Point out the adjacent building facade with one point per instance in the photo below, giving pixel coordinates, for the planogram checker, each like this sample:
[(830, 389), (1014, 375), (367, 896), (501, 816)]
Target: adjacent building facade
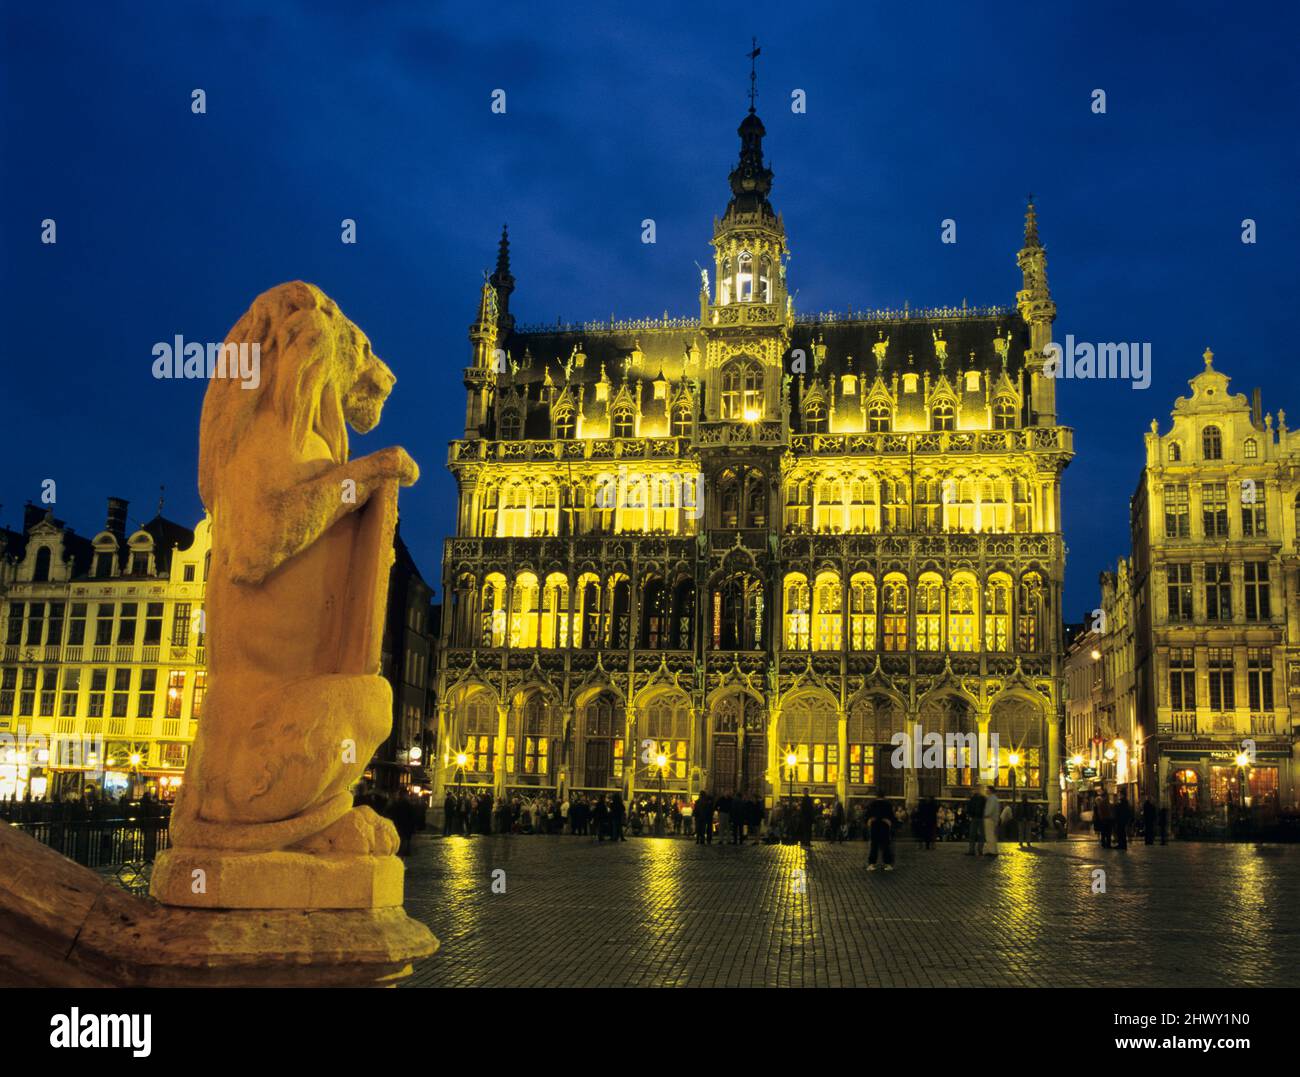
[(1216, 602), (104, 664), (103, 677), (731, 539)]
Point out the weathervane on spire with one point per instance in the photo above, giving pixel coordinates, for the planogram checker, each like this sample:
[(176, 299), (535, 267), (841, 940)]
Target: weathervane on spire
[(753, 74)]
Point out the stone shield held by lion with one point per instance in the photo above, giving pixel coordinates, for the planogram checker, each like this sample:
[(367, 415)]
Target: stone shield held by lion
[(296, 594)]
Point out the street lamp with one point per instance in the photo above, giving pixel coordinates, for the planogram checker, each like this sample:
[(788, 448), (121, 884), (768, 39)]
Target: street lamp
[(134, 759), (1243, 762), (661, 761), (1013, 761)]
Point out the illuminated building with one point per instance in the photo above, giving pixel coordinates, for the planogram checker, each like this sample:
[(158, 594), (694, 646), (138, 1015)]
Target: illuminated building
[(751, 532), (1103, 742), (103, 676), (104, 666), (1217, 618)]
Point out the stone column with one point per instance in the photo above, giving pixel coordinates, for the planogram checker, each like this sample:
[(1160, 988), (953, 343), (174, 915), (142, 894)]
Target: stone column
[(499, 756)]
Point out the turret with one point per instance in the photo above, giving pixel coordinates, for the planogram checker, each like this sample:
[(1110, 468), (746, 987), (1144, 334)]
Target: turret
[(1034, 301), (481, 374)]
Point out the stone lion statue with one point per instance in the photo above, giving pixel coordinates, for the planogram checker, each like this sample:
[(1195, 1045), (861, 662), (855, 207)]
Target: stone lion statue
[(296, 591)]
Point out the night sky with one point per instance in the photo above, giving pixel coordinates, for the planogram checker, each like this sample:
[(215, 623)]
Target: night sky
[(170, 222)]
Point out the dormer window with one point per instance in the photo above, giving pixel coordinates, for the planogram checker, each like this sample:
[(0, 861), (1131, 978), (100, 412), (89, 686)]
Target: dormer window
[(564, 423), (745, 277), (1250, 448), (1212, 443), (1175, 452), (942, 417), (814, 419), (1004, 414), (681, 421), (512, 424), (103, 566), (878, 418), (623, 424)]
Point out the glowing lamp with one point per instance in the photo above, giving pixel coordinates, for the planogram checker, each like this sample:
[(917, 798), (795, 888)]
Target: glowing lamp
[(461, 759)]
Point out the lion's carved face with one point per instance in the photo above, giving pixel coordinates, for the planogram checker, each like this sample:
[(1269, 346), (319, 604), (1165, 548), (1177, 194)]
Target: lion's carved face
[(364, 399)]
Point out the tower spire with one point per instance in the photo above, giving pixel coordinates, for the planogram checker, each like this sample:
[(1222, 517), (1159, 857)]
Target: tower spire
[(753, 73), (1031, 225), (504, 283)]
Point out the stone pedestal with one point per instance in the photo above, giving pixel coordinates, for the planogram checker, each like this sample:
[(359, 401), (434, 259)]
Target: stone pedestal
[(62, 925), (221, 879)]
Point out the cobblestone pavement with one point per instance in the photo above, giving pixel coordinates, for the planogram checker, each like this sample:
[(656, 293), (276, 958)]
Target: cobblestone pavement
[(665, 912)]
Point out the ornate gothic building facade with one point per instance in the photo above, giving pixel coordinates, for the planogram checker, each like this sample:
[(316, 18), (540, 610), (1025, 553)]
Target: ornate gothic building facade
[(728, 540)]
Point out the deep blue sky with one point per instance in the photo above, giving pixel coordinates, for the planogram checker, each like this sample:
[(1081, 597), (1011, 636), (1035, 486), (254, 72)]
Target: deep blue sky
[(170, 222)]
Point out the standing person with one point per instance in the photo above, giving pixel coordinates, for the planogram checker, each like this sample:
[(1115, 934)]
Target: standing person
[(616, 813), (739, 813), (837, 822), (1101, 817), (599, 816), (1123, 816), (1164, 825), (565, 809), (1025, 823), (448, 815), (975, 823), (702, 812), (881, 823), (723, 804), (805, 820), (992, 811), (929, 816), (1148, 822)]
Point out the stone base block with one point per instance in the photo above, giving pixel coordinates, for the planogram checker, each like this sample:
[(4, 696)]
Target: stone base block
[(223, 879)]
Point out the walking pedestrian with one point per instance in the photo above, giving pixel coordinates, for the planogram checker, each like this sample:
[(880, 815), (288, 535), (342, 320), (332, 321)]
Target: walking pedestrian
[(1123, 816), (929, 820), (1102, 820), (1148, 822), (881, 817), (975, 823), (600, 816), (805, 820), (1025, 822), (616, 813)]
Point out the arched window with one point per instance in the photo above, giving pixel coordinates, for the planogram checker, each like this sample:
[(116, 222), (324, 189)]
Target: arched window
[(828, 617), (1211, 443), (555, 617), (798, 623), (667, 725), (814, 419), (514, 511), (942, 417), (738, 614), (745, 277), (545, 511), (1029, 617), (512, 424), (1018, 726), (488, 504), (1175, 452), (862, 612), (1004, 414), (623, 424), (878, 418), (929, 612), (620, 611), (654, 613), (997, 613), (895, 612), (41, 570), (1250, 448), (810, 730), (742, 390), (564, 423), (492, 627), (530, 746), (479, 739), (963, 596), (764, 293), (729, 499), (523, 611), (588, 611), (602, 731)]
